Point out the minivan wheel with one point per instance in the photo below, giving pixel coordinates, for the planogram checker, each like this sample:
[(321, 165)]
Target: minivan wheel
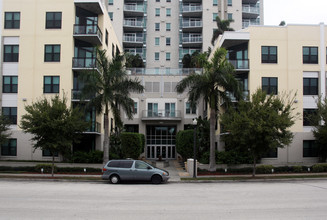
[(114, 179), (156, 179)]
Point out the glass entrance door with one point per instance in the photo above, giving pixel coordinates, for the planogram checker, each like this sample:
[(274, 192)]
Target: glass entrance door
[(161, 142)]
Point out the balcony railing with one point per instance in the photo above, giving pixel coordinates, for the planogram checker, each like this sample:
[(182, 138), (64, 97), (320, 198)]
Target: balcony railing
[(250, 9), (77, 96), (84, 62), (247, 23), (240, 64), (182, 71), (197, 39), (88, 29), (161, 114), (133, 39), (134, 8), (94, 128), (131, 23), (191, 8), (245, 96), (188, 24)]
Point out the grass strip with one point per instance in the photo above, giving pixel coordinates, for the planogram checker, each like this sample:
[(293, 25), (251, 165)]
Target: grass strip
[(255, 178)]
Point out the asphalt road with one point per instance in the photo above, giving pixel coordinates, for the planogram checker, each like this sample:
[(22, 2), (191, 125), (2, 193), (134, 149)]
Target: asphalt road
[(21, 199)]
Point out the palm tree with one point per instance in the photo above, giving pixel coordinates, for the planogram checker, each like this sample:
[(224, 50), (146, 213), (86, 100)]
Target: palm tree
[(112, 87), (213, 85), (223, 25)]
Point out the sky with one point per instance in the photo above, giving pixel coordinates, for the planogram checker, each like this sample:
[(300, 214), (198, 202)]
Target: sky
[(295, 11)]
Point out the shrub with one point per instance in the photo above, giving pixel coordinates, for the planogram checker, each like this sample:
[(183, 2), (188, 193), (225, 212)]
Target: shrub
[(264, 169), (232, 157), (46, 168), (88, 157), (297, 169), (78, 170), (131, 145), (319, 168)]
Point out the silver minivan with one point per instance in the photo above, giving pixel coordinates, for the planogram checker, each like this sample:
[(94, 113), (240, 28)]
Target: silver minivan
[(133, 170)]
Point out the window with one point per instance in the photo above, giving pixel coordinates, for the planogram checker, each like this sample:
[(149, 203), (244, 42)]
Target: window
[(310, 148), (309, 117), (214, 15), (190, 110), (11, 114), (12, 20), (51, 84), (107, 37), (168, 1), (215, 2), (272, 153), (152, 109), (167, 56), (157, 12), (9, 84), (157, 41), (141, 165), (310, 86), (168, 26), (9, 148), (111, 15), (168, 41), (156, 56), (110, 2), (268, 54), (168, 12), (157, 0), (52, 53), (135, 108), (47, 153), (131, 128), (230, 3), (11, 53), (230, 16), (157, 26), (53, 20), (310, 55), (270, 85)]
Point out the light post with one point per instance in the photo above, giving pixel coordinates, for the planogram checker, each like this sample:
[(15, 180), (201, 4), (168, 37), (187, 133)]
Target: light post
[(194, 148)]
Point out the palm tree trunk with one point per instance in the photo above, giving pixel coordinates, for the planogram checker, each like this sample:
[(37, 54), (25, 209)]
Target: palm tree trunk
[(212, 160), (106, 139)]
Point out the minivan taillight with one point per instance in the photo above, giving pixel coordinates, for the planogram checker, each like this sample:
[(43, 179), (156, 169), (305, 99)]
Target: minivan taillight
[(104, 169)]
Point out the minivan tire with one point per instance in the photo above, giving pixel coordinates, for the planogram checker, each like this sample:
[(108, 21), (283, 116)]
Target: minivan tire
[(156, 179), (114, 179)]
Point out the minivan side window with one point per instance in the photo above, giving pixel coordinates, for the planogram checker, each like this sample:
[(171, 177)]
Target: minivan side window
[(126, 164), (140, 165), (113, 164)]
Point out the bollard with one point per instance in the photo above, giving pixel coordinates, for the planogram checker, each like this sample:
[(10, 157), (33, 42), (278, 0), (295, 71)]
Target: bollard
[(272, 170), (42, 170)]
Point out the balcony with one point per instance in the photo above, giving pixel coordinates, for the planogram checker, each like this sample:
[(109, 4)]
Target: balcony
[(88, 33), (249, 11), (130, 25), (161, 115), (240, 64), (245, 96), (174, 72), (192, 41), (84, 63), (95, 6), (192, 10), (133, 10), (77, 96), (246, 23), (133, 40), (95, 128), (192, 25)]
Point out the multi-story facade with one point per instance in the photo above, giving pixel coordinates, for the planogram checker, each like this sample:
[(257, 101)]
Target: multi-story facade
[(163, 31), (280, 60), (45, 46)]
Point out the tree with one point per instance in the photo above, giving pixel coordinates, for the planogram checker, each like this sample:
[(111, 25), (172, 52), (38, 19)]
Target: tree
[(4, 129), (282, 23), (222, 26), (53, 125), (320, 131), (213, 85), (112, 87), (133, 61), (259, 125)]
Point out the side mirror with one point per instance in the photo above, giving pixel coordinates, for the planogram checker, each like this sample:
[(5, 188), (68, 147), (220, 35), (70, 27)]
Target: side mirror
[(149, 168)]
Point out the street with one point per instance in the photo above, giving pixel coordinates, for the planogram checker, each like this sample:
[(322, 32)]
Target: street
[(23, 199)]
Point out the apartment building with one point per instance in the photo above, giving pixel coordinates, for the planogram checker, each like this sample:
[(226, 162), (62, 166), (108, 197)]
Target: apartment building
[(163, 31), (280, 60), (45, 46)]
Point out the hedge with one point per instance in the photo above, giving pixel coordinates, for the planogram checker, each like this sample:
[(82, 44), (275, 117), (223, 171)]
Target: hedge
[(184, 143), (132, 144)]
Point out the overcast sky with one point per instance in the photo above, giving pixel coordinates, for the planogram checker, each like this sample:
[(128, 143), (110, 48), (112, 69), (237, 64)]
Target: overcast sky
[(295, 11)]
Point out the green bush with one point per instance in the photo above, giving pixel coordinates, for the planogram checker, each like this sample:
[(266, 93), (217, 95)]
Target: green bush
[(319, 168), (16, 169), (264, 169), (46, 168), (88, 157), (131, 145), (184, 143), (297, 169), (232, 157), (78, 170)]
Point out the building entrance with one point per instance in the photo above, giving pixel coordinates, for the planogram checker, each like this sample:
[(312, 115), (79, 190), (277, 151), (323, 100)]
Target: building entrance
[(160, 142)]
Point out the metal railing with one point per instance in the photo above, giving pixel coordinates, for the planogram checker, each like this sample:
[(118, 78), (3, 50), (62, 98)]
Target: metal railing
[(245, 95), (131, 23), (250, 9), (133, 39), (77, 95), (240, 64), (247, 23), (88, 29), (191, 8), (135, 8), (188, 24), (197, 39), (84, 62), (161, 114), (181, 71)]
